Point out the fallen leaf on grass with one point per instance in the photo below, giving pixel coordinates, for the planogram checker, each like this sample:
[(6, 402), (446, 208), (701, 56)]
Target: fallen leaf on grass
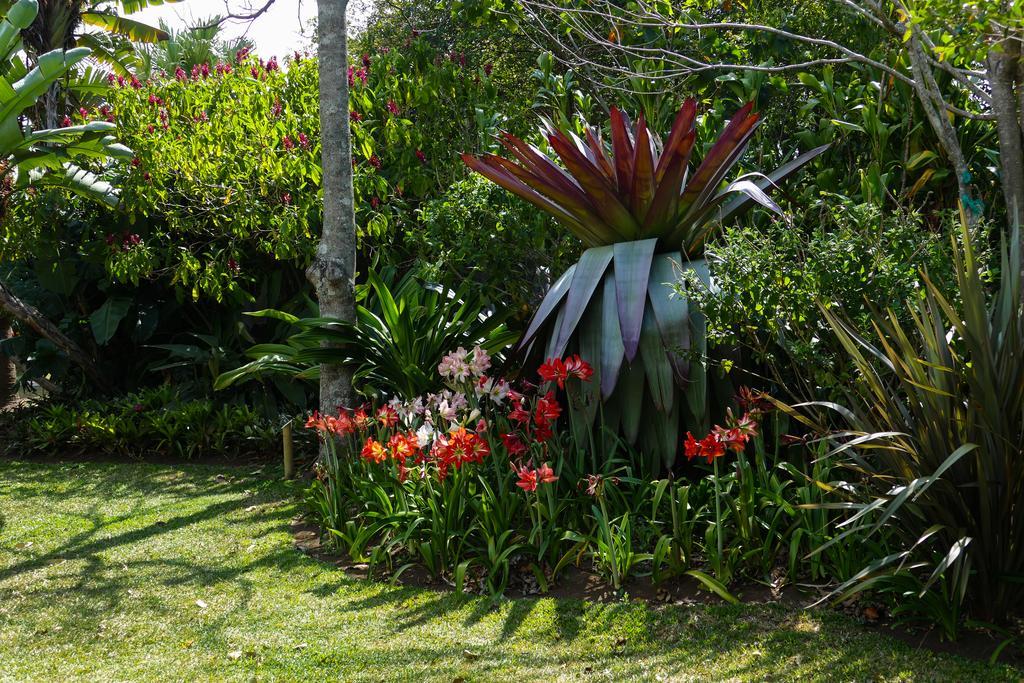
[(235, 654), (202, 604), (470, 655)]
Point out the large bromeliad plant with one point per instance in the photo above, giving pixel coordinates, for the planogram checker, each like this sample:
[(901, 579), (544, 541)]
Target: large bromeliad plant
[(644, 217)]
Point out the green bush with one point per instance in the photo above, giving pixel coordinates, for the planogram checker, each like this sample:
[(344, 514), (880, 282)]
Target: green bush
[(155, 423), (934, 426), (768, 281), (478, 231)]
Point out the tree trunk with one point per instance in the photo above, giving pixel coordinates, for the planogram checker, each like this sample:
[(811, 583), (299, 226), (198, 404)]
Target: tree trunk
[(1003, 66), (930, 96), (8, 372), (333, 270), (30, 316)]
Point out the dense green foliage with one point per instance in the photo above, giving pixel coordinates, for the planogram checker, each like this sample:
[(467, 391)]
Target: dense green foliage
[(769, 282), (938, 413), (402, 331), (157, 423)]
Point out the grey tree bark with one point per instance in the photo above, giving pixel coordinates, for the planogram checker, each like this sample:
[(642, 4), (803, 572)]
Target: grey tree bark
[(8, 372), (332, 272), (1004, 67)]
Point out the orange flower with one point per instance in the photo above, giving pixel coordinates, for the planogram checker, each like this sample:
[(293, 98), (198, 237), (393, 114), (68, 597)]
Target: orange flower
[(374, 451)]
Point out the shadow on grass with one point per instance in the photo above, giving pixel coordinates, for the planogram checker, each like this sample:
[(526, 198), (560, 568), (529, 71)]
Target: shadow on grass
[(81, 572)]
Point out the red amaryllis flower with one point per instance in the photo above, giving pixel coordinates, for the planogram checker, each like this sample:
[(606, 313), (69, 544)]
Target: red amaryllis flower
[(543, 433), (751, 401), (459, 447), (733, 438), (691, 446), (355, 116), (343, 424), (513, 444), (519, 414), (366, 60), (392, 108), (303, 141), (712, 447), (558, 370), (547, 410), (747, 425), (553, 370), (387, 416), (287, 143), (578, 368), (180, 74), (315, 420), (375, 161), (66, 121), (546, 475), (421, 156), (527, 479), (361, 418), (374, 451)]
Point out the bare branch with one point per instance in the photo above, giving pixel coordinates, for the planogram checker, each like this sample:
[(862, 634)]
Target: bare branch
[(248, 14), (581, 20)]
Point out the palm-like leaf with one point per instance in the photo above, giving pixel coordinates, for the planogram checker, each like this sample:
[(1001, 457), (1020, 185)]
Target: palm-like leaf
[(939, 415), (645, 219), (395, 345), (45, 157)]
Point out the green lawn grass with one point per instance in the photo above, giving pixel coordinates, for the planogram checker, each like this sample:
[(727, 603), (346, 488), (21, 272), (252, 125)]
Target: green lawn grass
[(138, 572)]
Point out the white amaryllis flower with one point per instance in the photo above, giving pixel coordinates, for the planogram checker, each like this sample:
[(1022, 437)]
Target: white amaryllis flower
[(494, 389), (425, 435)]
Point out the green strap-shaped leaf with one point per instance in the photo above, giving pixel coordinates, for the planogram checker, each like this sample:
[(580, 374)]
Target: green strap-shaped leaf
[(671, 313), (547, 306), (629, 396), (697, 389), (590, 271), (133, 6), (660, 438), (19, 17), (550, 350), (129, 28), (768, 181), (591, 350), (632, 272), (612, 350), (656, 365)]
